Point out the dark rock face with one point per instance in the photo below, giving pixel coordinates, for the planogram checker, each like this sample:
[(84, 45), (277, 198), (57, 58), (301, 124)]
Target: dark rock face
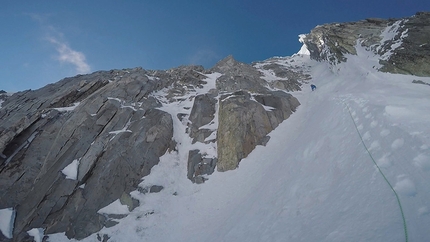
[(245, 117), (244, 123), (330, 42), (282, 104), (409, 47), (202, 113), (290, 79), (238, 76), (111, 124), (413, 55), (116, 133), (115, 125), (199, 166)]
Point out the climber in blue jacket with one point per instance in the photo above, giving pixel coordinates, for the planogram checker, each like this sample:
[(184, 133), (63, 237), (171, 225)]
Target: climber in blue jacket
[(313, 87)]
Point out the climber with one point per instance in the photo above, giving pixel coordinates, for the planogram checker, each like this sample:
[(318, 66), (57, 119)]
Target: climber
[(313, 87)]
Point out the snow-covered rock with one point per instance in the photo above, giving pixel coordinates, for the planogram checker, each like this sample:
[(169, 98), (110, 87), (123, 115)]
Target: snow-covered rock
[(111, 154), (402, 44)]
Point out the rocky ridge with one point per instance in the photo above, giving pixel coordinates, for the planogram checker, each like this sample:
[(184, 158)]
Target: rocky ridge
[(402, 44), (113, 126)]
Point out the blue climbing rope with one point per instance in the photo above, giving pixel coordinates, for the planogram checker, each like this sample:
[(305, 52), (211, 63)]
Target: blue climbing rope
[(385, 178)]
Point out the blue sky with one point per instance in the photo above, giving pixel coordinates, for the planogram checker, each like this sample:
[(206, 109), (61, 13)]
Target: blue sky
[(42, 42)]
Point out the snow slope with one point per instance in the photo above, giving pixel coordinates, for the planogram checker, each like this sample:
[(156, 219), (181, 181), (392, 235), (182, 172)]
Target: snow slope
[(315, 180)]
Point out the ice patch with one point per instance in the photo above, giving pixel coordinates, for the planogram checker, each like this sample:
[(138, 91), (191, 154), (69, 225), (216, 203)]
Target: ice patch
[(360, 127), (397, 143), (405, 186), (37, 234), (373, 124), (7, 219), (424, 147), (71, 171)]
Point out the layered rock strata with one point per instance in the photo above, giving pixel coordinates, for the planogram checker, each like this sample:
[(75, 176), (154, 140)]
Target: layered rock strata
[(112, 129), (402, 44)]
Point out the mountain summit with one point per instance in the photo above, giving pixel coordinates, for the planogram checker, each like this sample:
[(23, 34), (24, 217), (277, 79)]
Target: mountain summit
[(237, 152)]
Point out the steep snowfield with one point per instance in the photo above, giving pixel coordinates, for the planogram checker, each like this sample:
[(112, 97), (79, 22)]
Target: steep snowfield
[(314, 181)]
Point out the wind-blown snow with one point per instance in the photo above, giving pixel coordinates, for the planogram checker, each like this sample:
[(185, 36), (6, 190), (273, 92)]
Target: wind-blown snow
[(314, 180), (71, 170), (7, 219), (303, 50)]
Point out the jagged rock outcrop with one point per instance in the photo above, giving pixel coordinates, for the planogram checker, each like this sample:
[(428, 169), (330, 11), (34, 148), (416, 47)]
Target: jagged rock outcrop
[(198, 166), (283, 74), (245, 120), (332, 41), (202, 113), (3, 96), (115, 132), (248, 110), (413, 55), (402, 43), (113, 128), (238, 76)]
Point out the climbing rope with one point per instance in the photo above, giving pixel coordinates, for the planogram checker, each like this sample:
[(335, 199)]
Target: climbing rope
[(379, 169)]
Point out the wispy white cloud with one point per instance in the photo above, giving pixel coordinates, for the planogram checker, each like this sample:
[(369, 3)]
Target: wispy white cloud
[(65, 53), (68, 55)]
